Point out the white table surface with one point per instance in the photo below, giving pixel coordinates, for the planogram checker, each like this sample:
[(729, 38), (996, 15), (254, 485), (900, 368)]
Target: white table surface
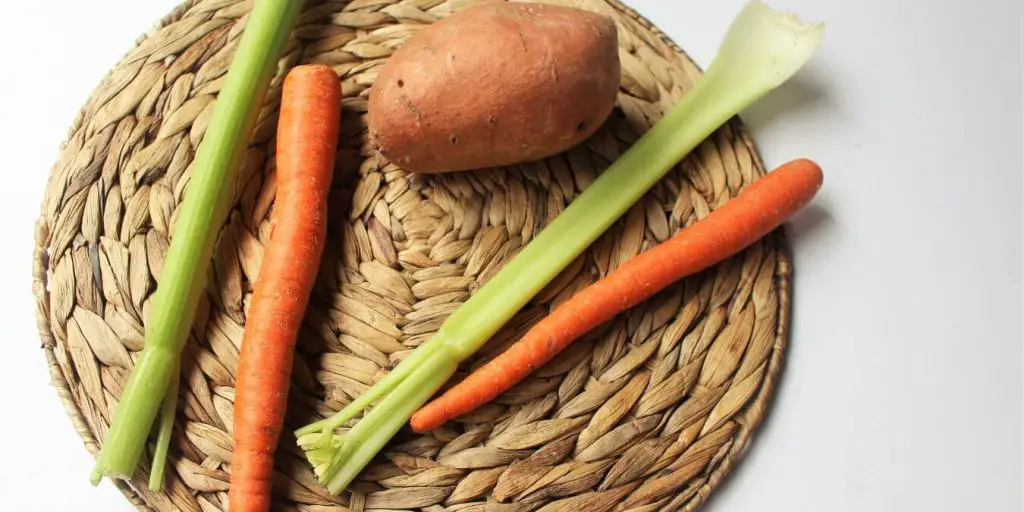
[(902, 389)]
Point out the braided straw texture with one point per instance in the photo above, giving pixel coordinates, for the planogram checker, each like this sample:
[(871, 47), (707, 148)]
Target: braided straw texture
[(647, 413)]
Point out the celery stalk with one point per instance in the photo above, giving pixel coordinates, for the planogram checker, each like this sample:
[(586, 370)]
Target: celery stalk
[(382, 422), (762, 49), (203, 211), (379, 389), (163, 434)]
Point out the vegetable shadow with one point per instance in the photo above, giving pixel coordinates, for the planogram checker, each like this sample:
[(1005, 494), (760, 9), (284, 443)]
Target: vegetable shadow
[(815, 218), (804, 92), (808, 224)]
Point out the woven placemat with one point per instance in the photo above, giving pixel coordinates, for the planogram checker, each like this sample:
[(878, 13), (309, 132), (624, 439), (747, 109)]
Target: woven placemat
[(647, 413)]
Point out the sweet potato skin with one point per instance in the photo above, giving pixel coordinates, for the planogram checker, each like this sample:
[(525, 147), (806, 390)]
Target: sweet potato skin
[(495, 84)]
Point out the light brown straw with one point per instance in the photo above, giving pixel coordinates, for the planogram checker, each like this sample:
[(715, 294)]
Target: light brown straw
[(648, 413)]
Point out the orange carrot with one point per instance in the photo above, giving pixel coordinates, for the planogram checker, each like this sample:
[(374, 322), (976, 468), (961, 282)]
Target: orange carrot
[(307, 134), (740, 222)]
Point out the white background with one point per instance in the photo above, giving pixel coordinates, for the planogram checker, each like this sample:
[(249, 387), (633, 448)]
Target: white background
[(903, 384)]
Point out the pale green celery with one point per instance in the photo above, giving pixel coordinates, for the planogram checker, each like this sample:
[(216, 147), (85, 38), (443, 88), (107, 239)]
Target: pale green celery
[(762, 49), (318, 453), (368, 436), (379, 389), (163, 435), (203, 211)]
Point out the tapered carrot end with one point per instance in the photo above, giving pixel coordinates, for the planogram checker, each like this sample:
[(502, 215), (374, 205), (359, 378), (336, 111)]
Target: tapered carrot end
[(789, 187), (810, 173), (425, 420), (303, 71)]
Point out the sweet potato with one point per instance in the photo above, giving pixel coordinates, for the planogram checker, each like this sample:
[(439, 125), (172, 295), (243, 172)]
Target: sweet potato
[(495, 84)]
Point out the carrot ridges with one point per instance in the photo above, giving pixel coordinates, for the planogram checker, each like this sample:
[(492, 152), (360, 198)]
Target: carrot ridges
[(307, 135), (756, 211)]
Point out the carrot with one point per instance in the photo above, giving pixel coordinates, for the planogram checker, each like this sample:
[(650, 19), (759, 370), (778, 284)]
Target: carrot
[(306, 140), (756, 211)]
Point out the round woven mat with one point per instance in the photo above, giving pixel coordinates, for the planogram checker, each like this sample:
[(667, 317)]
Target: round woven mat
[(647, 413)]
